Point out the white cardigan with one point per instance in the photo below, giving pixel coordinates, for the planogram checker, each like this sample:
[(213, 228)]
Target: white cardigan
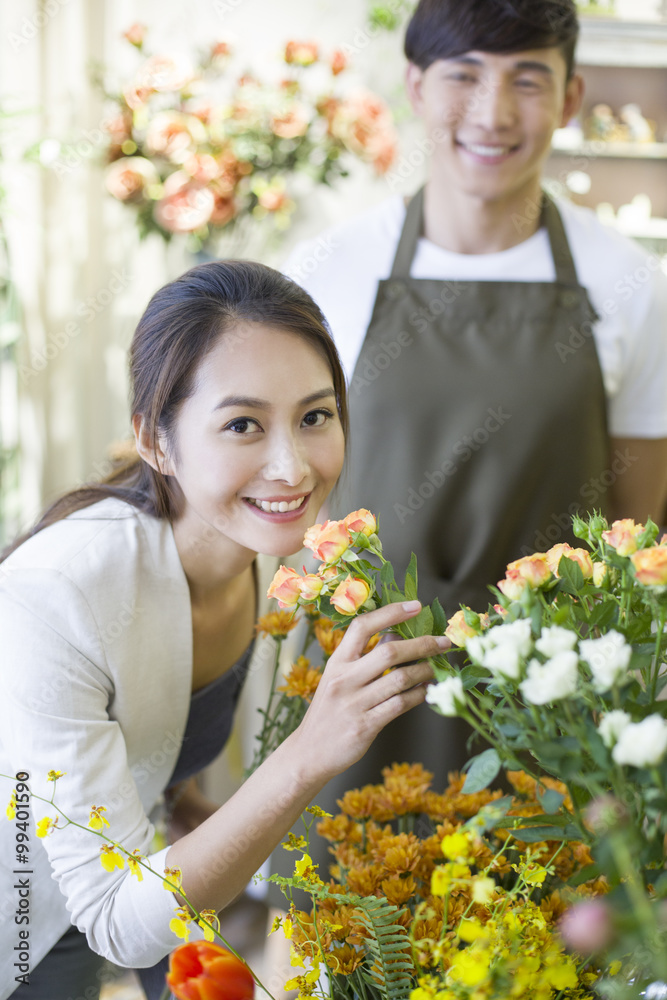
[(96, 675)]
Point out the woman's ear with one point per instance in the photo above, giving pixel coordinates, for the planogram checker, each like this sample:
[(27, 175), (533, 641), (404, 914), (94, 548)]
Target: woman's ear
[(156, 457)]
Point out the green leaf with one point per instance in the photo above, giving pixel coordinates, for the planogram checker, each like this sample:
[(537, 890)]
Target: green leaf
[(534, 834), (481, 771), (410, 586), (551, 800), (585, 875), (439, 618), (423, 623), (387, 578), (570, 571)]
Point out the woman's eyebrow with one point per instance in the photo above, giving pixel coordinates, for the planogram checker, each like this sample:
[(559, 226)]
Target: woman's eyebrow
[(262, 404)]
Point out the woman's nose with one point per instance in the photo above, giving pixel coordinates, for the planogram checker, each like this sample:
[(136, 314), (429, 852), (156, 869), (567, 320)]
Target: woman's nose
[(287, 463)]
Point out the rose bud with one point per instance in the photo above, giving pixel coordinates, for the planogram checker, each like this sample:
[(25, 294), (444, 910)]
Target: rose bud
[(328, 541), (310, 587), (285, 587), (361, 520)]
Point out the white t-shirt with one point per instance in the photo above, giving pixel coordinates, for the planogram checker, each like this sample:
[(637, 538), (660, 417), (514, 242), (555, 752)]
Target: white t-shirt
[(342, 267)]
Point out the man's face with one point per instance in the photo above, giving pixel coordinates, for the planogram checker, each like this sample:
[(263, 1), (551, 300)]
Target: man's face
[(492, 117)]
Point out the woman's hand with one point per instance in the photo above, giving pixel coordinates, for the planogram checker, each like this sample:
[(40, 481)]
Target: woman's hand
[(360, 693)]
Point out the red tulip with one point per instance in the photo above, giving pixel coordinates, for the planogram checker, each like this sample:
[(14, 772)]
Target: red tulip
[(200, 970)]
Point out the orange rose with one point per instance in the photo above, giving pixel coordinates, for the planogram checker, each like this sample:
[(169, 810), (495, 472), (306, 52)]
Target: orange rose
[(301, 53), (349, 595), (291, 123), (651, 566), (534, 569), (285, 587), (361, 520), (338, 62), (128, 178), (186, 205), (458, 629), (310, 587), (174, 135), (622, 536), (136, 34), (580, 556), (513, 585), (328, 541)]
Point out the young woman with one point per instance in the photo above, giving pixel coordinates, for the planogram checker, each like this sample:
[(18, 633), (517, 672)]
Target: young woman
[(132, 598)]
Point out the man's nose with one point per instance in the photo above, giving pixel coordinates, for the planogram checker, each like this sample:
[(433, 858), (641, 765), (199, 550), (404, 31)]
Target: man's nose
[(492, 105)]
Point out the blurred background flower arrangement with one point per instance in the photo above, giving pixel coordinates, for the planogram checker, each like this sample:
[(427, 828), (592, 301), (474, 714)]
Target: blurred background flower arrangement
[(205, 149)]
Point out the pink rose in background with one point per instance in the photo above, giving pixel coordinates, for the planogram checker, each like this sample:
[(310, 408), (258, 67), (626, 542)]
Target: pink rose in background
[(328, 541), (291, 123), (364, 124), (513, 585), (202, 167), (350, 594), (301, 53), (164, 73), (338, 62), (586, 927), (285, 587), (224, 207), (129, 177), (174, 135), (136, 34), (623, 535), (186, 205)]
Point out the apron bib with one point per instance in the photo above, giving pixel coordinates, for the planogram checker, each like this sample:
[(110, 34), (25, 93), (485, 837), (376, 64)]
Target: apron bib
[(472, 438)]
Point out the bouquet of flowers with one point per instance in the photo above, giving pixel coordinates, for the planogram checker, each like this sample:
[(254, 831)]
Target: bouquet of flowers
[(563, 677), (200, 149), (438, 895)]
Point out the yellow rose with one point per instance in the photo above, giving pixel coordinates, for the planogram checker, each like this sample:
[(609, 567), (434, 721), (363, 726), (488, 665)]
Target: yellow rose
[(361, 520), (651, 566), (349, 595), (622, 536), (328, 541), (285, 587)]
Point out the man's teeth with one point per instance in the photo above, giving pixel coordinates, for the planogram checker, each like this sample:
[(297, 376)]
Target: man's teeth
[(488, 150), (277, 506)]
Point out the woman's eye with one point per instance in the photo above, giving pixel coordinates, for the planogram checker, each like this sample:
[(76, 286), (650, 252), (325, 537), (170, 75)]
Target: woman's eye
[(316, 418), (242, 425)]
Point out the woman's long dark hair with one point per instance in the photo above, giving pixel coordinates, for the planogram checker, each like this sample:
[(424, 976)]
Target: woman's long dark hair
[(181, 324)]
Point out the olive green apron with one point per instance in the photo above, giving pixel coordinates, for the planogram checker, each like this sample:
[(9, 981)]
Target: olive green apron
[(473, 436)]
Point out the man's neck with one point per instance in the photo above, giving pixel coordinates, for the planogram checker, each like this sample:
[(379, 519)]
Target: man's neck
[(471, 225)]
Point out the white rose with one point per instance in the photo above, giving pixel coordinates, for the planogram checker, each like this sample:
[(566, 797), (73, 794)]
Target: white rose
[(511, 636), (446, 695), (546, 682), (642, 744), (612, 725), (476, 647), (608, 657), (555, 640), (503, 660)]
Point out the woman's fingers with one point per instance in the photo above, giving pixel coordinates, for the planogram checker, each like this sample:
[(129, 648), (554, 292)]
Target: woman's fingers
[(390, 655), (363, 627)]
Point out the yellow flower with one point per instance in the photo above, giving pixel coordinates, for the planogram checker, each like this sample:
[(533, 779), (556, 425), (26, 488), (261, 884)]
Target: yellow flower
[(277, 923), (456, 846), (209, 917), (562, 976), (97, 821), (276, 624), (483, 890), (470, 930), (294, 843), (10, 811), (288, 928), (615, 967), (179, 923), (304, 868), (174, 876), (470, 966), (133, 864), (320, 813), (46, 826), (54, 775), (443, 877), (534, 874), (305, 984), (110, 857)]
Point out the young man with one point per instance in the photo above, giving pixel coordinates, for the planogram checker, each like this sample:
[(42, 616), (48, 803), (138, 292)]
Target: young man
[(507, 357)]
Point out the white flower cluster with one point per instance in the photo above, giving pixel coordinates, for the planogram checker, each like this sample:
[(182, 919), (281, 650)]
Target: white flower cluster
[(640, 744)]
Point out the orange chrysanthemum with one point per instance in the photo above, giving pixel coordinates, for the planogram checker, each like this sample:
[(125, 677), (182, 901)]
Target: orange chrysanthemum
[(276, 624), (301, 681)]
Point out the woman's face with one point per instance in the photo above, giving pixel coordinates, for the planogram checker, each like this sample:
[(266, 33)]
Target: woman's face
[(259, 444)]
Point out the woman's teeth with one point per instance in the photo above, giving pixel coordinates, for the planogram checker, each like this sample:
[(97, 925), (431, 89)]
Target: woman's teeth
[(276, 506)]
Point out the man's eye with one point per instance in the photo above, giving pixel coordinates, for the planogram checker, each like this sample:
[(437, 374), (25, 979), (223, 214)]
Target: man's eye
[(242, 425), (527, 84), (462, 77), (316, 418)]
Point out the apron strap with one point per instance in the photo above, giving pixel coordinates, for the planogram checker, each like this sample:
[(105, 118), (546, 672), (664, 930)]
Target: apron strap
[(413, 228), (550, 218)]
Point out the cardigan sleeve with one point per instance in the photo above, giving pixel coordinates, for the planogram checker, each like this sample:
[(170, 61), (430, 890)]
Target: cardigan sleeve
[(54, 714)]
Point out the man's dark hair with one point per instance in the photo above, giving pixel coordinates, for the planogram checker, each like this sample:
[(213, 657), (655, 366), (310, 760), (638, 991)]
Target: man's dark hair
[(444, 29)]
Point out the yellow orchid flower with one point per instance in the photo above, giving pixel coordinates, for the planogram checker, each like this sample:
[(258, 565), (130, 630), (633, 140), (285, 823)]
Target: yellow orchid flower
[(209, 917), (54, 775), (110, 857), (320, 813), (179, 923), (97, 821), (10, 811), (133, 864), (294, 843), (46, 826), (174, 876)]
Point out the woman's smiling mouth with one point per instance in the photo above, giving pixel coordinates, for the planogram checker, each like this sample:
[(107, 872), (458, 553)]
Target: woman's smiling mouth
[(279, 506)]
